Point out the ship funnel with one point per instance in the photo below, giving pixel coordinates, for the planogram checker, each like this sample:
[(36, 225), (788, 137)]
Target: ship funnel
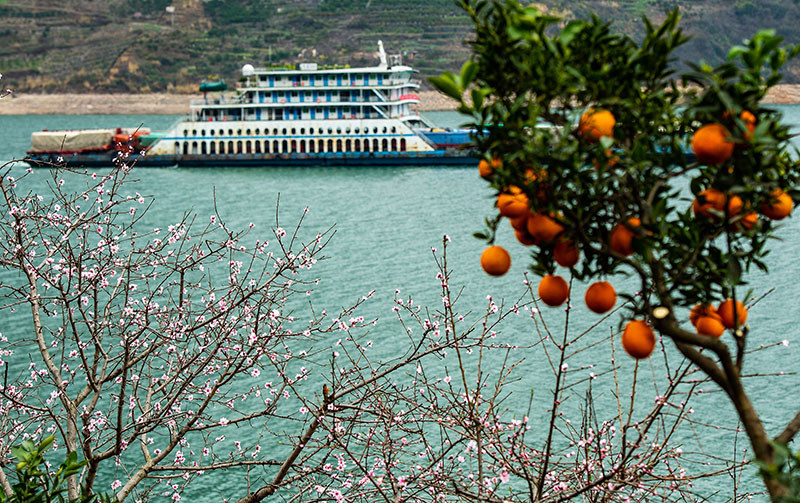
[(382, 54)]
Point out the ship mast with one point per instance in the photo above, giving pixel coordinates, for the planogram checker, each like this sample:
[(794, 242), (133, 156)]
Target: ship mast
[(382, 54)]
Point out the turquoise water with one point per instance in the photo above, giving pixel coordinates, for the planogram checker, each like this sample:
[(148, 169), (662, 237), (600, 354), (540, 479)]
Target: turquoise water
[(388, 219)]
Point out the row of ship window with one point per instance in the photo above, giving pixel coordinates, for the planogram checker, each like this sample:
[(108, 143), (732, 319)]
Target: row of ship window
[(285, 131), (329, 95), (339, 79), (289, 146)]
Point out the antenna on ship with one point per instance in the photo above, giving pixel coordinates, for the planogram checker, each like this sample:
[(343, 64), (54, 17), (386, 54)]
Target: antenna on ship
[(382, 54)]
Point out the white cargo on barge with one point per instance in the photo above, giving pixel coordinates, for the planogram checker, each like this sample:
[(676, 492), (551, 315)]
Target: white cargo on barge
[(79, 140)]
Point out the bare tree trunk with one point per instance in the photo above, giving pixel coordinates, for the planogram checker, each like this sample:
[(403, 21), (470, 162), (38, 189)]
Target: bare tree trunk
[(6, 485), (55, 374)]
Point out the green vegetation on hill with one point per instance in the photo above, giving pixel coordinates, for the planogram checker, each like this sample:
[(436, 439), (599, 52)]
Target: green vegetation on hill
[(137, 46)]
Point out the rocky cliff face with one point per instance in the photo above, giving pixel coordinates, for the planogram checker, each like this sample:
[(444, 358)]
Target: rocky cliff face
[(141, 46)]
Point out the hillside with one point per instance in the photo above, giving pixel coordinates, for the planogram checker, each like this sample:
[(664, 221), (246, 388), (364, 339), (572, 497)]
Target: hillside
[(137, 46)]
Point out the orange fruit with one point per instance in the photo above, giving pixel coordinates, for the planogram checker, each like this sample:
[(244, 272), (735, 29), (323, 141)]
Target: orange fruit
[(748, 220), (520, 223), (565, 253), (537, 176), (553, 290), (486, 168), (543, 228), (701, 310), (595, 124), (495, 260), (514, 203), (638, 339), (734, 205), (749, 122), (779, 207), (611, 160), (710, 144), (710, 325), (525, 238), (713, 199), (600, 297), (621, 240), (533, 175), (725, 310)]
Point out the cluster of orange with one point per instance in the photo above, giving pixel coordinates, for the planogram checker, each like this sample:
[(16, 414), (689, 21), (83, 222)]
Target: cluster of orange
[(712, 321), (542, 229), (711, 145)]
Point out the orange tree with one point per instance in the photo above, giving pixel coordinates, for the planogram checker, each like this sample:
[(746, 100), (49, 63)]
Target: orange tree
[(607, 178)]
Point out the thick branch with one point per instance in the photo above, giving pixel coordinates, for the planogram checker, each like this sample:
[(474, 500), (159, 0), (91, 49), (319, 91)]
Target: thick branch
[(6, 485), (270, 489), (791, 430), (731, 383)]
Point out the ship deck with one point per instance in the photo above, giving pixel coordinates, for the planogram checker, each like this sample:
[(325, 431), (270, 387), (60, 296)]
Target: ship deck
[(450, 157)]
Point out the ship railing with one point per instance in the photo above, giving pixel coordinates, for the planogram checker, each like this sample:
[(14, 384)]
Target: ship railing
[(375, 97), (216, 101), (330, 86), (415, 82)]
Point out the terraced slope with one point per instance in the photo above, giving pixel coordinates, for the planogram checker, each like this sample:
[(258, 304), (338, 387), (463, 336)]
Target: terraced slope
[(137, 46)]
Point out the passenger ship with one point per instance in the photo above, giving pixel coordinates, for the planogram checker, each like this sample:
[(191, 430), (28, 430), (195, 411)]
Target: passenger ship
[(304, 115)]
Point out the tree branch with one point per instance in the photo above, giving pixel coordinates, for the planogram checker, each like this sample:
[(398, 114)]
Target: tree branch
[(791, 430)]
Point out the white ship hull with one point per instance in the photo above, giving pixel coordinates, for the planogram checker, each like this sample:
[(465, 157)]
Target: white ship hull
[(294, 137)]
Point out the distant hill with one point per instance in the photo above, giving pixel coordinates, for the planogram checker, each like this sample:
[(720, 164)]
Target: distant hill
[(138, 46)]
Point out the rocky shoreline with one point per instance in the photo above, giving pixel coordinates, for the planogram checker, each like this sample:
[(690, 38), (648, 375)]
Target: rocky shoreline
[(178, 104)]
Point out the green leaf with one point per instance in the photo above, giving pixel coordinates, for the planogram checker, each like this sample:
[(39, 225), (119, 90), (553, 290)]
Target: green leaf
[(477, 98), (571, 30), (468, 72), (446, 84), (697, 185), (19, 453), (736, 51), (734, 269), (46, 443), (72, 457)]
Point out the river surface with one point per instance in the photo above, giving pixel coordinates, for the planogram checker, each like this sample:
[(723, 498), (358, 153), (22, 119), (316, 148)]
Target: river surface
[(388, 219)]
